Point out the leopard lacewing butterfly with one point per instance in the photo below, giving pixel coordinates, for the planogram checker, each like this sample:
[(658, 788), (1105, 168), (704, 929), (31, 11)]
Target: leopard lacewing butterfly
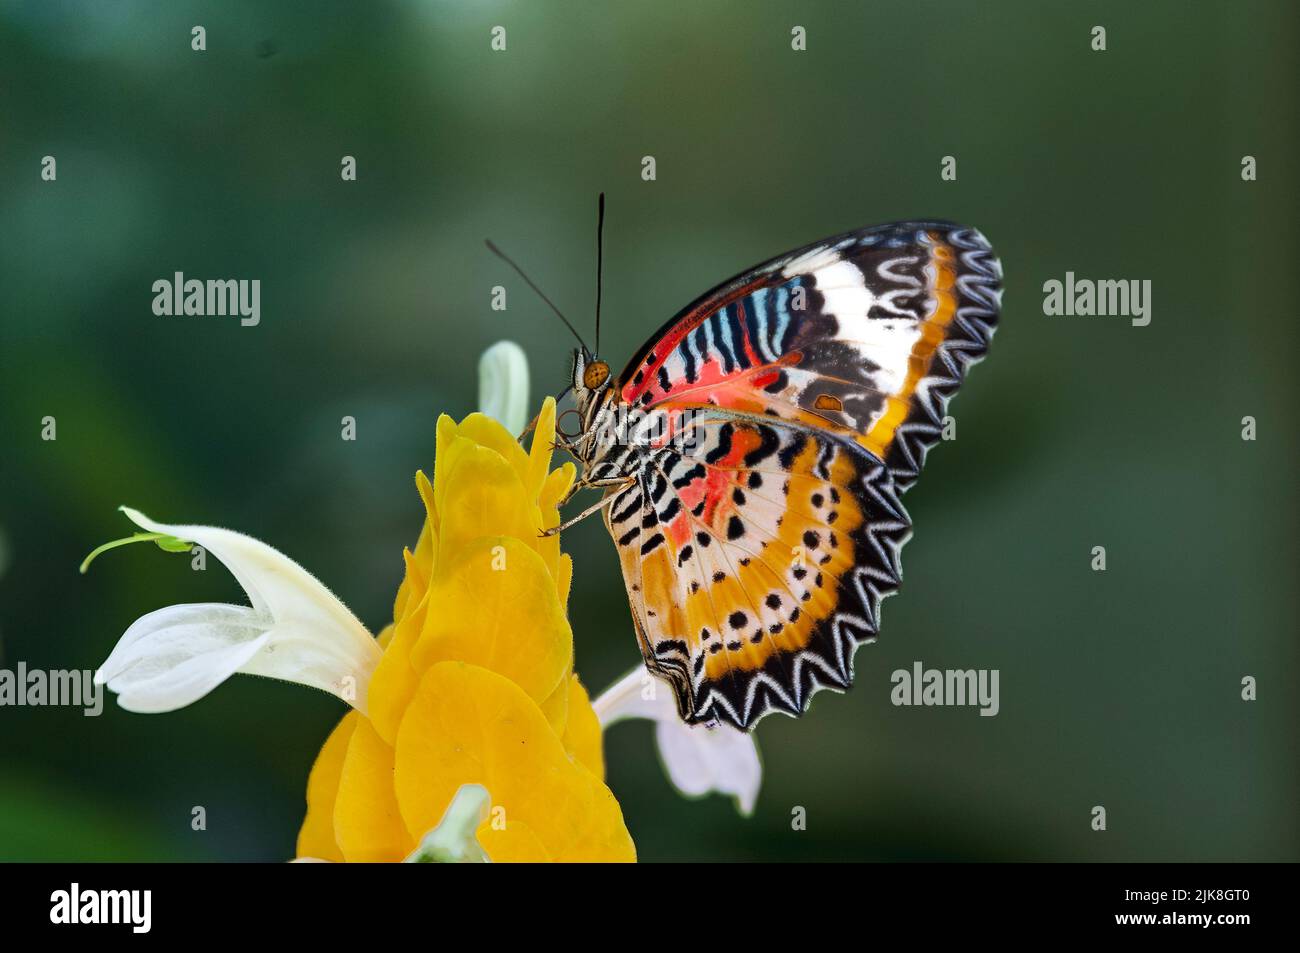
[(752, 455)]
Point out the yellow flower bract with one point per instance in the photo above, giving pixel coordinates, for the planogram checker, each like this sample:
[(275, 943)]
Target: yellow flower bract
[(476, 683)]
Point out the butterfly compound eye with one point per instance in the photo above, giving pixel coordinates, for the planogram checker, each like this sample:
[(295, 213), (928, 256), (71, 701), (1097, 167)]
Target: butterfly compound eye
[(595, 374)]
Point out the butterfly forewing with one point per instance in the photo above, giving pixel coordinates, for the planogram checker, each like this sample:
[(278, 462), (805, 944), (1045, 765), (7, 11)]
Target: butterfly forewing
[(868, 334)]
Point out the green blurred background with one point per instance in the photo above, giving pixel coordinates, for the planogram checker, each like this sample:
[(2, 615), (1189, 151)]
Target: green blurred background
[(1119, 688)]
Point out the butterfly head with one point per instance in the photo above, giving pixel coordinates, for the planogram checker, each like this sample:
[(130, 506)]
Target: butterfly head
[(591, 376), (592, 390)]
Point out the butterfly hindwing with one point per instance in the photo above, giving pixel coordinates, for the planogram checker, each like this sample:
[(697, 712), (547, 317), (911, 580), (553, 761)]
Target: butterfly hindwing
[(756, 554), (867, 334)]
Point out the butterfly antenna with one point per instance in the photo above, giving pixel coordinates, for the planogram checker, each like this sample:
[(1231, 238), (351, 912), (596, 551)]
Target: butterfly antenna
[(528, 281), (600, 262)]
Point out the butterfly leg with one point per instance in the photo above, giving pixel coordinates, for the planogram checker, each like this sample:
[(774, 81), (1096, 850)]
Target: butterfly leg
[(582, 483), (595, 507), (529, 429)]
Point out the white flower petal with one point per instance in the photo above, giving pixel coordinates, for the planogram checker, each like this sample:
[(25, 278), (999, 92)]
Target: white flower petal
[(697, 759), (297, 653), (306, 634), (638, 694), (173, 657), (503, 385), (275, 583)]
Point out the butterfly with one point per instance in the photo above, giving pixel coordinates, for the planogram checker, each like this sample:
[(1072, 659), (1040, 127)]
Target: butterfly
[(752, 454)]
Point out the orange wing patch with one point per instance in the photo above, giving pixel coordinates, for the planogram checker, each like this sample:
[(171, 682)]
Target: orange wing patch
[(942, 275)]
